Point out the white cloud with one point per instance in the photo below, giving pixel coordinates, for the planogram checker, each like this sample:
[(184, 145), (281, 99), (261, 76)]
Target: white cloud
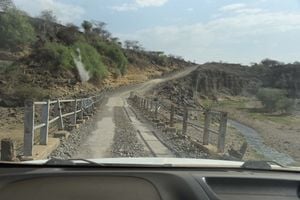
[(240, 9), (64, 12), (125, 7), (242, 37), (233, 7), (136, 4), (146, 3)]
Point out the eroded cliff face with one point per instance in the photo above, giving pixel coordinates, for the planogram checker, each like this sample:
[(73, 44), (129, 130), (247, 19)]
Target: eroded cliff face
[(208, 81), (211, 79)]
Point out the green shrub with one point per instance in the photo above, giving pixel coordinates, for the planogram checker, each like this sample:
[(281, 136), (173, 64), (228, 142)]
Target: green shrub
[(114, 53), (274, 99), (91, 60), (15, 30), (55, 56)]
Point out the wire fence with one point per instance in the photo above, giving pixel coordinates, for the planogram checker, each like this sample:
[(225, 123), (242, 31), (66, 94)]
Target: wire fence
[(205, 125), (44, 116)]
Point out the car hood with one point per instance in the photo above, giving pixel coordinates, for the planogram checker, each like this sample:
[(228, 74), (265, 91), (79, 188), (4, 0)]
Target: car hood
[(174, 162)]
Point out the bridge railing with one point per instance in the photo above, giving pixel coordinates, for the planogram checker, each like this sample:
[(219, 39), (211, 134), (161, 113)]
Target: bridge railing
[(211, 123), (40, 115)]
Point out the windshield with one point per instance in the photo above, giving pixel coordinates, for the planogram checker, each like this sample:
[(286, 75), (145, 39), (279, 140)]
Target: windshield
[(150, 78)]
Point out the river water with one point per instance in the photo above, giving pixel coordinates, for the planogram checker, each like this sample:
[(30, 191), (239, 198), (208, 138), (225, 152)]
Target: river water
[(256, 142)]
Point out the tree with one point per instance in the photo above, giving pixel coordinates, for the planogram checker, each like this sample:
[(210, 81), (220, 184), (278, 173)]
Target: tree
[(48, 16), (87, 26), (133, 45), (99, 29), (270, 63), (68, 34), (274, 99), (48, 23), (15, 30), (6, 5)]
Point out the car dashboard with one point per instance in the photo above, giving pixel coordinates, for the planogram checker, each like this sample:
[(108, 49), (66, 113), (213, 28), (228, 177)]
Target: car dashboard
[(112, 183)]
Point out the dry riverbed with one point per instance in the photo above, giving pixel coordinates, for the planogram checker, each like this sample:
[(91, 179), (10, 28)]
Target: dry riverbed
[(281, 132)]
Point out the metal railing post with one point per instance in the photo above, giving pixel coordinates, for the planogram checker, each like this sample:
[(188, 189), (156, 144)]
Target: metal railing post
[(207, 119), (28, 127), (156, 110), (80, 116), (59, 114), (172, 115), (222, 132), (75, 113), (8, 152), (45, 119), (185, 120)]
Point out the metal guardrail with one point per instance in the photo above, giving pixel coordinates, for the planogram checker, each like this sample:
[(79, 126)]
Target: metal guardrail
[(154, 105), (79, 107)]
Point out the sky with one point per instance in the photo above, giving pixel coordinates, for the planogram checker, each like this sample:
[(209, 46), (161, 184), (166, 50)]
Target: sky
[(199, 30)]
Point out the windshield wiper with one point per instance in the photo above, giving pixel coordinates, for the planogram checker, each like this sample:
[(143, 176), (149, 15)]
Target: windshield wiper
[(260, 164)]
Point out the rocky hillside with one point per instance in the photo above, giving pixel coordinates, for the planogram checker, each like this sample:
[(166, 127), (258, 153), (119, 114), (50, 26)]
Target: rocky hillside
[(51, 60)]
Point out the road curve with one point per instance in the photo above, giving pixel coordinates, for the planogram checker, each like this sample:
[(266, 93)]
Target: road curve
[(99, 142)]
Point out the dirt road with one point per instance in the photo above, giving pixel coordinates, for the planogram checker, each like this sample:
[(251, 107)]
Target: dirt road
[(100, 142)]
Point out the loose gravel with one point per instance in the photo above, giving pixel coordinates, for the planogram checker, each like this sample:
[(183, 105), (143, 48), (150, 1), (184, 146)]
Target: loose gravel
[(181, 146), (69, 147), (126, 142)]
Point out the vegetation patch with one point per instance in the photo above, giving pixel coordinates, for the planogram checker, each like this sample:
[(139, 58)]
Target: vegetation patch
[(114, 53), (15, 30), (55, 56), (91, 60), (274, 100)]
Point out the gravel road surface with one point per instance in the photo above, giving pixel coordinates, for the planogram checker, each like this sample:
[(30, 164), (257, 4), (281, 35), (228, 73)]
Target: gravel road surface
[(104, 141)]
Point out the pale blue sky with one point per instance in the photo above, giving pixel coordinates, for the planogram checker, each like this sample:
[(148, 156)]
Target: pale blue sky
[(202, 30)]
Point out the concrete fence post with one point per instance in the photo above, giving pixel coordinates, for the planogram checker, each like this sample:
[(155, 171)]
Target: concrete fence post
[(207, 120), (151, 105), (140, 102), (222, 132), (7, 150), (172, 112), (147, 105), (80, 115), (88, 107), (143, 103), (93, 106), (185, 120), (28, 127), (156, 110), (137, 101), (45, 120), (75, 113), (59, 114), (131, 95)]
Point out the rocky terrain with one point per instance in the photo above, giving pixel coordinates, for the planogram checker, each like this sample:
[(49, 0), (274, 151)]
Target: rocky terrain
[(232, 88), (126, 142)]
